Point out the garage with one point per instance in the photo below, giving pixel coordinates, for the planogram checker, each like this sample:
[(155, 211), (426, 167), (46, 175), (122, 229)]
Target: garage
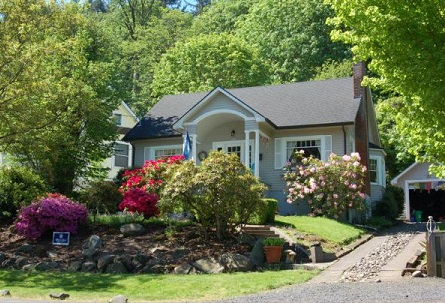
[(424, 193)]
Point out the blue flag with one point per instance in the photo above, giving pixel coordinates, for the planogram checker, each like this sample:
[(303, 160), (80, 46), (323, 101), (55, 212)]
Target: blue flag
[(187, 147)]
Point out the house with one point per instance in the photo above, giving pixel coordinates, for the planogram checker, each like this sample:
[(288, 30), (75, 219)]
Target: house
[(424, 192), (122, 151), (264, 125)]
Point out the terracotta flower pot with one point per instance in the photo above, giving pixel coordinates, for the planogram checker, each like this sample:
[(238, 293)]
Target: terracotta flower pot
[(273, 253)]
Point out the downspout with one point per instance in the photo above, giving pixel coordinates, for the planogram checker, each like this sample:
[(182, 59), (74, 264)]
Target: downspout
[(133, 153), (344, 139)]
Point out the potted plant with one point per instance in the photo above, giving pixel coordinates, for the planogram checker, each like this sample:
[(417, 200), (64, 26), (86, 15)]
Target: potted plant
[(273, 247)]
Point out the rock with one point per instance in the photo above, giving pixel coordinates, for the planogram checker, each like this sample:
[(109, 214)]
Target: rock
[(9, 263), (209, 266), (183, 269), (60, 296), (119, 299), (3, 257), (116, 268), (91, 246), (89, 266), (246, 239), (417, 274), (20, 262), (256, 256), (104, 261), (5, 293), (75, 266), (235, 262), (51, 254), (132, 230), (45, 266), (126, 261), (29, 267), (142, 259), (25, 248)]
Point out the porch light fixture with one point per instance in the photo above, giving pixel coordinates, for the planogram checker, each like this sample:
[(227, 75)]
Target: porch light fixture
[(232, 133)]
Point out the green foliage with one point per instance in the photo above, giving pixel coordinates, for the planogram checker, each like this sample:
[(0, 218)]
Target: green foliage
[(19, 186), (101, 197), (292, 37), (403, 42), (273, 241), (392, 203), (379, 222), (222, 193), (205, 62), (116, 220), (333, 69)]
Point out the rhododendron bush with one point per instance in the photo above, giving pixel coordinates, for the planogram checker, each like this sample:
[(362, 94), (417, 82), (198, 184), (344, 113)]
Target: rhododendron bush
[(143, 187), (330, 188), (54, 212)]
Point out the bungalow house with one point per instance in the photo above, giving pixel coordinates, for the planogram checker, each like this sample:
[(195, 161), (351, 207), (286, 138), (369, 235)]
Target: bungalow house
[(122, 151), (264, 125), (424, 193)]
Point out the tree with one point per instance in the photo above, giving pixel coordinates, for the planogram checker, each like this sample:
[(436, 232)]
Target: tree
[(403, 41), (207, 61), (334, 69), (56, 91), (293, 36), (221, 16)]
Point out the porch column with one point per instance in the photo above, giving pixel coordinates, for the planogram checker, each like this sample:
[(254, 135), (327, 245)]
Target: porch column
[(257, 153), (246, 148), (194, 140)]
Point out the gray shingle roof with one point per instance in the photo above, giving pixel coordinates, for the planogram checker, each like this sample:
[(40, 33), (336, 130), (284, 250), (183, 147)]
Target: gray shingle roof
[(302, 104)]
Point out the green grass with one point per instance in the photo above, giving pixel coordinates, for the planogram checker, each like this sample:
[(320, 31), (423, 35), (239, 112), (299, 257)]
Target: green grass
[(148, 287), (324, 228)]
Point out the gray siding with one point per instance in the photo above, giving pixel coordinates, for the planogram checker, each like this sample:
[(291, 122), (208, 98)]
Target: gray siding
[(140, 146)]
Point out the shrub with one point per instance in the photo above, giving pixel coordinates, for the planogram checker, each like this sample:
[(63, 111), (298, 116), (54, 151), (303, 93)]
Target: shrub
[(330, 188), (273, 241), (137, 200), (101, 197), (265, 213), (52, 213), (221, 193), (390, 207), (19, 186)]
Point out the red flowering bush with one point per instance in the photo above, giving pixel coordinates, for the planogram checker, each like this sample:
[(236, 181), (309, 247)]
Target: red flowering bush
[(137, 200), (54, 212), (142, 187)]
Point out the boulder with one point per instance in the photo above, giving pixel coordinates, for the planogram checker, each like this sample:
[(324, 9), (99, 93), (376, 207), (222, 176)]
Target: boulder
[(60, 296), (209, 266), (132, 229), (75, 266), (256, 256), (25, 248), (20, 262), (116, 268), (119, 299), (3, 257), (142, 259), (91, 246), (5, 293), (235, 262), (126, 261), (183, 269), (45, 266), (89, 266), (104, 261)]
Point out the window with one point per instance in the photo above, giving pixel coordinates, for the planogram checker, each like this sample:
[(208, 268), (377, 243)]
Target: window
[(310, 147), (167, 152), (118, 119), (121, 154), (373, 170)]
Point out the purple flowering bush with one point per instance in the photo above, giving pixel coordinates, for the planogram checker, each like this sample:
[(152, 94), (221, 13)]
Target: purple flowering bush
[(330, 188), (54, 212)]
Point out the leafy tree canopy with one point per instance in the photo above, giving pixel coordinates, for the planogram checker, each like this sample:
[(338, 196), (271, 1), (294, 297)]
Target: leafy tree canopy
[(404, 43), (292, 36), (207, 61)]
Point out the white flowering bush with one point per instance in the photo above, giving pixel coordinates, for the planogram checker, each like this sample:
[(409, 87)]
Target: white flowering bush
[(330, 188)]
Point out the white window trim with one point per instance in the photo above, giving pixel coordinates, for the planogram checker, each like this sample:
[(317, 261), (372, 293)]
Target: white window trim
[(113, 158), (380, 171), (281, 144), (225, 144), (152, 150)]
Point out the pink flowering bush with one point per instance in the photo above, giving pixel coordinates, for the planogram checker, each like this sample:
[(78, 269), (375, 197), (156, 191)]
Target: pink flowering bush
[(143, 187), (54, 212), (139, 201), (330, 188)]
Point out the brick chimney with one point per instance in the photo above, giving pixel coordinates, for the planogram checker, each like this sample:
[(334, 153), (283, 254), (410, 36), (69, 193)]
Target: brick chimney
[(359, 72)]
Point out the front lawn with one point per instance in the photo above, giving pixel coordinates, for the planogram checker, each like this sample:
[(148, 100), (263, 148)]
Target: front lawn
[(146, 287)]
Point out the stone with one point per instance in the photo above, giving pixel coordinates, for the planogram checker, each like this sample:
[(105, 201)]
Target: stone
[(91, 246), (3, 257), (246, 239), (51, 254), (20, 262), (183, 269), (104, 261), (417, 274), (235, 263), (5, 293), (132, 230), (89, 266), (126, 261), (208, 265), (45, 266), (75, 266), (142, 259), (25, 248), (119, 299), (116, 268), (29, 267), (256, 256), (60, 296)]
